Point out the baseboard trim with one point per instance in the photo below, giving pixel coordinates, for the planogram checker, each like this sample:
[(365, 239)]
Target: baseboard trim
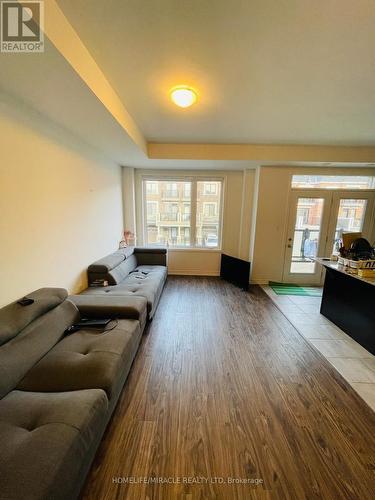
[(199, 272), (259, 281), (192, 272)]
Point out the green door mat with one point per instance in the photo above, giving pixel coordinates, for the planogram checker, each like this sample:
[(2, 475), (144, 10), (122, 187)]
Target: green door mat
[(290, 289)]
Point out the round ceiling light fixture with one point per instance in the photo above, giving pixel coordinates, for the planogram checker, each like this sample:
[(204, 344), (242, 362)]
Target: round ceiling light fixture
[(183, 96)]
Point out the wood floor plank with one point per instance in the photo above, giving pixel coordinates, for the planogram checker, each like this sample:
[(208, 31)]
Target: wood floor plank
[(223, 386)]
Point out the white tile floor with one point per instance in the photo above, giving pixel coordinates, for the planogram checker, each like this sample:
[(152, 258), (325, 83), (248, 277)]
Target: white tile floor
[(350, 359)]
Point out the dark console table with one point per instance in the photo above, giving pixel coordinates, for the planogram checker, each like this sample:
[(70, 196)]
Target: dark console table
[(349, 302)]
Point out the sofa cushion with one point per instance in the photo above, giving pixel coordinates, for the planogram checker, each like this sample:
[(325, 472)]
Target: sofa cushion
[(149, 281), (125, 289), (160, 271), (116, 307), (45, 439), (21, 353), (15, 317), (144, 281), (86, 359)]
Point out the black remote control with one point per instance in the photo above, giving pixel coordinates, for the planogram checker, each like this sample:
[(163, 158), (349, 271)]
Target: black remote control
[(93, 323)]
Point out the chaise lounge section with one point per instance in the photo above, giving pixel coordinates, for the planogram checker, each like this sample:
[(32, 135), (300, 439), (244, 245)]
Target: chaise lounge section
[(58, 391), (131, 272)]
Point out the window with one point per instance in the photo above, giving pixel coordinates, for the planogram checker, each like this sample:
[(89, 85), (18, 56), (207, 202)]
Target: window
[(208, 214), (171, 190), (333, 182), (209, 188), (183, 213), (209, 209), (152, 210), (170, 212), (152, 188), (186, 212), (303, 215), (187, 190)]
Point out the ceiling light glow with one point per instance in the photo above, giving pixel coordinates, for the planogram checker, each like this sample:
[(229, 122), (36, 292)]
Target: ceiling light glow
[(183, 96)]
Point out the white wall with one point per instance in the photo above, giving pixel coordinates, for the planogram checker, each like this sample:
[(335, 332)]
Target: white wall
[(60, 204), (272, 209), (238, 201), (128, 197), (256, 205)]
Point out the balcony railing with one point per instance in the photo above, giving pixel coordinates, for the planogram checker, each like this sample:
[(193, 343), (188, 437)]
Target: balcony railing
[(152, 218), (173, 217), (170, 193), (302, 252), (169, 217), (206, 218)]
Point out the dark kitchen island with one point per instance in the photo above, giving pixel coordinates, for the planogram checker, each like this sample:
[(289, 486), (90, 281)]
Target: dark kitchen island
[(349, 302)]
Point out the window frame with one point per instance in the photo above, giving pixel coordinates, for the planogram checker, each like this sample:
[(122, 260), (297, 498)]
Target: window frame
[(208, 203), (154, 202), (193, 179), (208, 193), (156, 192), (333, 188)]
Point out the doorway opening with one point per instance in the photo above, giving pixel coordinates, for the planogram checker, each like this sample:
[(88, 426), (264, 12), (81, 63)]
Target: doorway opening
[(318, 217)]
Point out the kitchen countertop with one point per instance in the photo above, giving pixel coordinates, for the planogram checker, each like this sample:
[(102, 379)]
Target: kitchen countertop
[(330, 264)]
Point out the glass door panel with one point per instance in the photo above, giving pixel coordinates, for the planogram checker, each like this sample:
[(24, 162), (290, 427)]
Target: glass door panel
[(350, 218), (208, 214), (317, 219), (306, 235), (352, 211)]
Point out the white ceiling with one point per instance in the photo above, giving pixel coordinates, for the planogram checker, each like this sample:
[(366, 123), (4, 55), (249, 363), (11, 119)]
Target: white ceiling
[(46, 83), (149, 46), (268, 71)]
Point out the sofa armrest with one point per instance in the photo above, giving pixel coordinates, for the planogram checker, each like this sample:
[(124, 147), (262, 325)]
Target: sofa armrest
[(119, 307), (149, 256)]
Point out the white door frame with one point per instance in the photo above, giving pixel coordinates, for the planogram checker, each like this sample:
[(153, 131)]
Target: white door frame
[(306, 278), (327, 228)]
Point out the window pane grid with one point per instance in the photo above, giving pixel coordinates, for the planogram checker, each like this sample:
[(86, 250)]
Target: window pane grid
[(182, 213), (333, 181), (306, 237)]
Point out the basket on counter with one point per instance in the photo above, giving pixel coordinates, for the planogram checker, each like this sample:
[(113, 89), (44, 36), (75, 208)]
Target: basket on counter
[(357, 264), (362, 264)]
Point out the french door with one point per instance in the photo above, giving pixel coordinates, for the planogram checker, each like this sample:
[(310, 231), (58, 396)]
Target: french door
[(316, 221)]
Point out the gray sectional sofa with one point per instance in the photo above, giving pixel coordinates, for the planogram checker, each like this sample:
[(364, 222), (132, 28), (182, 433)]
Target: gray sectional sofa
[(58, 390), (131, 272)]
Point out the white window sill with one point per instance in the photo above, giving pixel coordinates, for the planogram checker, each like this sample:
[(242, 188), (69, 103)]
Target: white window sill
[(193, 249)]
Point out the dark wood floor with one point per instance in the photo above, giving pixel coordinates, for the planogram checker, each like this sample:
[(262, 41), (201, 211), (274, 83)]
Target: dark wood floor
[(224, 387)]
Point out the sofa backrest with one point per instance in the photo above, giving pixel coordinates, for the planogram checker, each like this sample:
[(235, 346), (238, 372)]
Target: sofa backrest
[(116, 266), (120, 272), (105, 268), (148, 256), (28, 332), (14, 317)]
